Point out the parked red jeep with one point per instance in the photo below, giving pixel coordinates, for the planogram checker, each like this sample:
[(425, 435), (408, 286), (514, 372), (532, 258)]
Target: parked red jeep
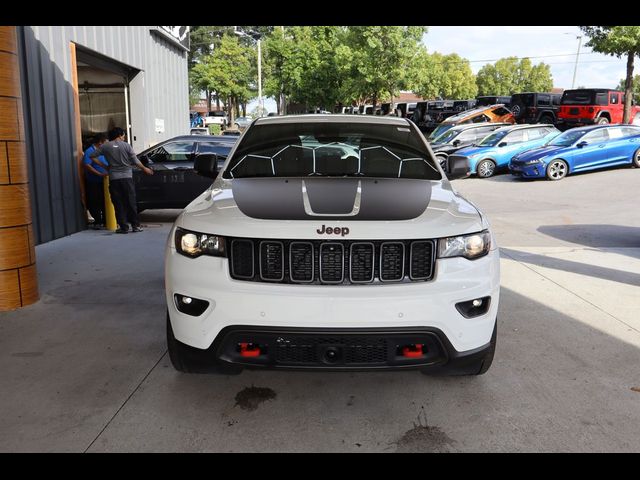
[(590, 106)]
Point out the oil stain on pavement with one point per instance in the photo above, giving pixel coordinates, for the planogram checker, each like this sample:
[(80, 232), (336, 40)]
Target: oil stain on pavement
[(250, 397), (424, 438)]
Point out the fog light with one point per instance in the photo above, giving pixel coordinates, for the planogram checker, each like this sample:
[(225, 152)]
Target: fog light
[(189, 305), (474, 308)]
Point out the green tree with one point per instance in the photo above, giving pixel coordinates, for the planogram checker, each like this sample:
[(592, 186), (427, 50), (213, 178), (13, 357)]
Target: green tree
[(227, 71), (381, 56), (442, 76), (636, 87), (510, 75), (458, 81), (617, 41)]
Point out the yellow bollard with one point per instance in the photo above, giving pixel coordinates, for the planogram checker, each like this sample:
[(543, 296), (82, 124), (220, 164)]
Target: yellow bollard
[(109, 211)]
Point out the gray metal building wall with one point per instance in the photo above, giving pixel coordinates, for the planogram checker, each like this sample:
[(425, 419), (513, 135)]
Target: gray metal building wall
[(161, 91)]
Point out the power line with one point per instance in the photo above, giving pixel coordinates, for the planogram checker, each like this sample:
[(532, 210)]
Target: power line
[(532, 56)]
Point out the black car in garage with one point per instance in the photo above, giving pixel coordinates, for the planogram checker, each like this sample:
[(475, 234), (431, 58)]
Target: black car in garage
[(174, 183)]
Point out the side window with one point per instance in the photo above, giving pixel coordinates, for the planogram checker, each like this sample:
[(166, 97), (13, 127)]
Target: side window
[(480, 119), (556, 99), (518, 136), (483, 132), (544, 100), (467, 136), (172, 152), (614, 98), (500, 111), (536, 133), (629, 132), (615, 132), (217, 148), (598, 136)]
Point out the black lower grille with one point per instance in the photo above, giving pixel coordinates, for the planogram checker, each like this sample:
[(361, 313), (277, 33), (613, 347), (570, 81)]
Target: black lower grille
[(331, 263), (351, 350)]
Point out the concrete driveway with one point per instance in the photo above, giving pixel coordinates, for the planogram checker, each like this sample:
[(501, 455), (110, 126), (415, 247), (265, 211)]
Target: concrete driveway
[(86, 368)]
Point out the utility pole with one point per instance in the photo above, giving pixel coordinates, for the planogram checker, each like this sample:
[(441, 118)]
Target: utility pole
[(575, 69)]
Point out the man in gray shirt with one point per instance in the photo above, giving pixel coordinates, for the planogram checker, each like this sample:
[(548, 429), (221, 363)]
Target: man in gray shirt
[(122, 160)]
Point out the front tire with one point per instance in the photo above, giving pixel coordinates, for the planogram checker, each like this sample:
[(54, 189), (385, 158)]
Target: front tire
[(486, 168), (557, 170), (602, 121), (636, 159)]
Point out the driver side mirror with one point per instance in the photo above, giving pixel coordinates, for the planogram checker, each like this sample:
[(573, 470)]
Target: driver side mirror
[(582, 144), (457, 167), (456, 143), (502, 144), (206, 164), (144, 159)]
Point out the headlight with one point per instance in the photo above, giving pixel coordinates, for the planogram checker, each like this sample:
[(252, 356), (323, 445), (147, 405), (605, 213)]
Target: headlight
[(535, 161), (192, 244), (469, 246)]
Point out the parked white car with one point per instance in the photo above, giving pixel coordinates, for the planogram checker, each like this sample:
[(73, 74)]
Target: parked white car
[(331, 242), (216, 118)]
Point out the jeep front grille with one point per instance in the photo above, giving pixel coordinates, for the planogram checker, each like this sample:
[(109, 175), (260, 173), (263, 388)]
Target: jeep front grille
[(336, 262)]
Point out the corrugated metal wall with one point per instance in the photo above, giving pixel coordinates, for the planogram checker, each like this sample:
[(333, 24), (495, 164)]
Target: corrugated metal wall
[(159, 91)]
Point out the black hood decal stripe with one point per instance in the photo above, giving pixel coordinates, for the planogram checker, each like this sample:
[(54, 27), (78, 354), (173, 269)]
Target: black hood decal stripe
[(331, 198)]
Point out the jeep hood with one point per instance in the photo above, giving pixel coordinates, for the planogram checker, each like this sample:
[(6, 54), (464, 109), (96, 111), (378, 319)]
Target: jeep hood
[(297, 207)]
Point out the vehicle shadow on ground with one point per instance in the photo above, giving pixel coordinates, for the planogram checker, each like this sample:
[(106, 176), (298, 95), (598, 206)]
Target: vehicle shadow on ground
[(585, 269), (597, 236)]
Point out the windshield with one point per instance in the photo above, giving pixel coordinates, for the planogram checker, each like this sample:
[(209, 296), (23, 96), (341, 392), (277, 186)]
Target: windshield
[(440, 129), (493, 139), (332, 149), (446, 137), (568, 138)]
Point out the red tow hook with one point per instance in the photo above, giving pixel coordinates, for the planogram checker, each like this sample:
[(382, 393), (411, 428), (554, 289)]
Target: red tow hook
[(249, 350), (413, 351)]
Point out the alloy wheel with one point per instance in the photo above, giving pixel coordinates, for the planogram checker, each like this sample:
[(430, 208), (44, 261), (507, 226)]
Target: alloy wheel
[(486, 168), (557, 170)]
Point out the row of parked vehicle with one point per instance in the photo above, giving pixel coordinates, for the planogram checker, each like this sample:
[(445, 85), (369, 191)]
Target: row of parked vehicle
[(537, 150), (577, 107)]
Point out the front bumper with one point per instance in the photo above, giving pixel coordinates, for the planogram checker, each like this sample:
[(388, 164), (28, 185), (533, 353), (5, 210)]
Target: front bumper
[(378, 306), (338, 349), (536, 170)]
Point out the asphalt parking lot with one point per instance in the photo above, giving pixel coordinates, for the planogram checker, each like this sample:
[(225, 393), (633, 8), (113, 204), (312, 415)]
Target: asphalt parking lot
[(86, 368)]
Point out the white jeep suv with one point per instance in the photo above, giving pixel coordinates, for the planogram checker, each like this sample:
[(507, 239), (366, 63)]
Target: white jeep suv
[(331, 242)]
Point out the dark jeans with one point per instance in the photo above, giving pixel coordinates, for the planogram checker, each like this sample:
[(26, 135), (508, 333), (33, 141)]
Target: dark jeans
[(123, 196), (95, 202)]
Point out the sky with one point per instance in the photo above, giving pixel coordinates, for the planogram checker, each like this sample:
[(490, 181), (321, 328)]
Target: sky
[(554, 45)]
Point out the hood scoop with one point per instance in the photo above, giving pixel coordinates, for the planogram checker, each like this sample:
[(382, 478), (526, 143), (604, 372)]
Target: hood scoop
[(331, 198)]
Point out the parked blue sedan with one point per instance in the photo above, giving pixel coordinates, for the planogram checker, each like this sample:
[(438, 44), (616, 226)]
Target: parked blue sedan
[(497, 149), (580, 149)]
